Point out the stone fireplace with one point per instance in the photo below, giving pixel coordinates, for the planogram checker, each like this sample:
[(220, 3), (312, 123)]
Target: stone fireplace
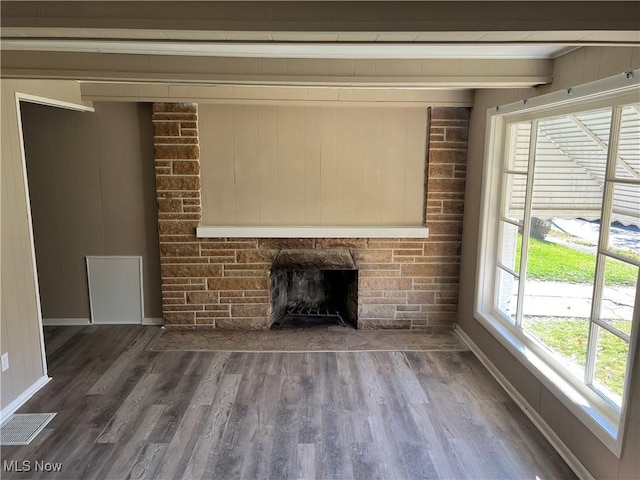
[(405, 283), (314, 288)]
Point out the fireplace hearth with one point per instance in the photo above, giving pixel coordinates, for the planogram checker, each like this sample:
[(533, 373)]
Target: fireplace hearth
[(314, 288)]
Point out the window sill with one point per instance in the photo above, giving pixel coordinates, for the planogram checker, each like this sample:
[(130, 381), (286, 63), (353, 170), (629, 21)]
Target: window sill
[(312, 232), (584, 405)]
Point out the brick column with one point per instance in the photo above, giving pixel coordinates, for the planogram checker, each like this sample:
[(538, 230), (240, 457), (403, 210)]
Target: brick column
[(177, 163), (446, 173)]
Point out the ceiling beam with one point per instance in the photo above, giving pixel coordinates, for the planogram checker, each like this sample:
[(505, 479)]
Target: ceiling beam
[(323, 50), (443, 74), (272, 95)]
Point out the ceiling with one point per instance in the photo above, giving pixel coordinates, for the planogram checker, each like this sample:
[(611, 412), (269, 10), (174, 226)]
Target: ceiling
[(428, 44)]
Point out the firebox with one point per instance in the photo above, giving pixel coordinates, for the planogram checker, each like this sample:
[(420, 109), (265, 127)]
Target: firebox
[(314, 288)]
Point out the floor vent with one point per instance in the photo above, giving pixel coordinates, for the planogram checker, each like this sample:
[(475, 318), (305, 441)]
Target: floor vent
[(22, 428)]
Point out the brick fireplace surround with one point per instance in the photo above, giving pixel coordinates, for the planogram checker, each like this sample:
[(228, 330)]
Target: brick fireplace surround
[(224, 282)]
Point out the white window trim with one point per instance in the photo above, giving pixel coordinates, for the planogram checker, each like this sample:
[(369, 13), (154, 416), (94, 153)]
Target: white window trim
[(589, 407)]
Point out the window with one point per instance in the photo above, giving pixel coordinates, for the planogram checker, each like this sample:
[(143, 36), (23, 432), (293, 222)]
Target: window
[(560, 253)]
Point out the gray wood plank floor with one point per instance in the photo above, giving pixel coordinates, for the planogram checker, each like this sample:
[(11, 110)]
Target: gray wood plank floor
[(127, 412)]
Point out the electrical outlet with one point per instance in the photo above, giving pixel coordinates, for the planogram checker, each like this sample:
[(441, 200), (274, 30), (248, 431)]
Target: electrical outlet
[(5, 362)]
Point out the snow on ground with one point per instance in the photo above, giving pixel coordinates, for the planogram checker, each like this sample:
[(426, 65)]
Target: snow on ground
[(620, 236)]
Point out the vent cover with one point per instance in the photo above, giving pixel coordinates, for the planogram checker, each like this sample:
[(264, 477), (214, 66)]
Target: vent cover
[(22, 428)]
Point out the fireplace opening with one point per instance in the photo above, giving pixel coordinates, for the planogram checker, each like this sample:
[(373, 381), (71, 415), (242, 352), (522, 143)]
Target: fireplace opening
[(314, 289)]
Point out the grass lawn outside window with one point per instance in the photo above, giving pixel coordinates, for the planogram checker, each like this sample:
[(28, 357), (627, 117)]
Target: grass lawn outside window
[(567, 337)]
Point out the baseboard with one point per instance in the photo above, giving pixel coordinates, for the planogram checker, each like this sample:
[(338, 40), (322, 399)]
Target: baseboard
[(117, 322), (10, 409), (58, 322), (152, 321), (556, 442)]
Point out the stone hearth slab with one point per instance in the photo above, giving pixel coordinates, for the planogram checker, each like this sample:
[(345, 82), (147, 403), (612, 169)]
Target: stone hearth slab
[(299, 340)]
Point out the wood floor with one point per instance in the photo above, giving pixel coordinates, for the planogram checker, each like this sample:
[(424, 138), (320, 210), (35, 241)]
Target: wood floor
[(127, 412)]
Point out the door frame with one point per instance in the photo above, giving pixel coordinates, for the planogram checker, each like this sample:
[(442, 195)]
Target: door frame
[(49, 102)]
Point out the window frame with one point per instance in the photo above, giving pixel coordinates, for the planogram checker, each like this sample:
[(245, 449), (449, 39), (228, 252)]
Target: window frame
[(595, 411)]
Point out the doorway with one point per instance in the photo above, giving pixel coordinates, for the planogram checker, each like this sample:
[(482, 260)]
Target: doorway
[(92, 195)]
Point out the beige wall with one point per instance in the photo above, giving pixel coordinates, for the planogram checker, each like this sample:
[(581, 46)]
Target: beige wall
[(127, 174), (581, 66), (20, 323), (276, 165), (91, 183)]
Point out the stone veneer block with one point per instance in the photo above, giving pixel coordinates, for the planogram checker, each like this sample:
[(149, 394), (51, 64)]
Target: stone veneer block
[(335, 259), (184, 152), (224, 282), (164, 108)]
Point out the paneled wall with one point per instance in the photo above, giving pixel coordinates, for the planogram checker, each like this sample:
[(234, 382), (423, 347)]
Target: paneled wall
[(91, 184), (284, 165)]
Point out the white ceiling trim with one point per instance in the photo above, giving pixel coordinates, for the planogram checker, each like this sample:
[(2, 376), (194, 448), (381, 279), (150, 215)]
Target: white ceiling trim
[(294, 50), (573, 37)]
